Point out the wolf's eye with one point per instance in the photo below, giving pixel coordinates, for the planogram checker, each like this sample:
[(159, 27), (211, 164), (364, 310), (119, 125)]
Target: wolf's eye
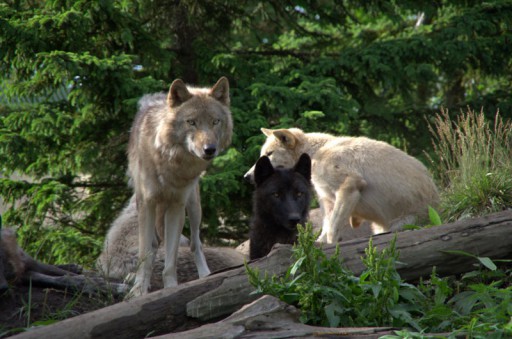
[(191, 122), (269, 153), (276, 195), (216, 121), (299, 194)]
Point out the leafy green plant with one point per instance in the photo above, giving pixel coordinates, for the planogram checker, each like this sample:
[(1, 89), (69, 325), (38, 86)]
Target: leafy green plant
[(330, 295)]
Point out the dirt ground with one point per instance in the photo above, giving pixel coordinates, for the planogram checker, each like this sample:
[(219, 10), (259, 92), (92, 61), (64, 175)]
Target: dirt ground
[(23, 307)]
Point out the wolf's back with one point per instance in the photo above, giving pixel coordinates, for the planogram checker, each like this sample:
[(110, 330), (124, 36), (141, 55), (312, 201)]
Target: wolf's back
[(145, 123)]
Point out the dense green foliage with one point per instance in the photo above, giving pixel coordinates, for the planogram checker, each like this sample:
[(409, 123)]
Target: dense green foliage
[(71, 73), (330, 295)]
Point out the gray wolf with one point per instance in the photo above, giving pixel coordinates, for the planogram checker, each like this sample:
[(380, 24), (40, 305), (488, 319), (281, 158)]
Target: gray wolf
[(173, 139), (356, 179), (119, 258), (280, 202)]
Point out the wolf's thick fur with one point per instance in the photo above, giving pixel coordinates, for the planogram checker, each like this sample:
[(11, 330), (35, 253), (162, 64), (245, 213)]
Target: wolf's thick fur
[(172, 141), (16, 266), (280, 202), (119, 257), (356, 179)]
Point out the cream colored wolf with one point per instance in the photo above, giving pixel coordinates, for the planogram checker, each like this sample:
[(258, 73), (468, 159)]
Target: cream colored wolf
[(356, 179), (119, 258), (173, 139)]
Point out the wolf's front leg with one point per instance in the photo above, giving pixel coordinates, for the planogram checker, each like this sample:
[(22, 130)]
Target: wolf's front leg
[(347, 198), (174, 221), (326, 206), (147, 248), (194, 212)]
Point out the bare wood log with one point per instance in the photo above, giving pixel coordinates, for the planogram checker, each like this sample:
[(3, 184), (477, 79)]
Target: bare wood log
[(421, 250), (221, 294), (268, 317)]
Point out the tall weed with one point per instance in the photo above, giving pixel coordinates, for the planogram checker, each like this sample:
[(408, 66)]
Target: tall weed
[(474, 162)]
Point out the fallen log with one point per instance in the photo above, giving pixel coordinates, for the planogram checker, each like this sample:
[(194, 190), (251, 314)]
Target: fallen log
[(268, 317), (421, 250), (219, 295)]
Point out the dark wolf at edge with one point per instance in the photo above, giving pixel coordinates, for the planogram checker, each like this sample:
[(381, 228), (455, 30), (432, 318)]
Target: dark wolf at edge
[(280, 202)]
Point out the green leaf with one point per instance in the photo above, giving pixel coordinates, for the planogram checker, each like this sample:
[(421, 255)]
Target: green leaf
[(487, 262), (434, 217), (330, 313), (458, 252), (297, 265), (313, 114), (45, 322)]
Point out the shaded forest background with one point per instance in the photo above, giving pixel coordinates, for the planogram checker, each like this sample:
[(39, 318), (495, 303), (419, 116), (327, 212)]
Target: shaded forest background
[(71, 73)]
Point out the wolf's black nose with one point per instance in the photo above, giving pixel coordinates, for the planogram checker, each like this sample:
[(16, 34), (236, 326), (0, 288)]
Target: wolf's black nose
[(248, 178), (294, 220), (209, 149)]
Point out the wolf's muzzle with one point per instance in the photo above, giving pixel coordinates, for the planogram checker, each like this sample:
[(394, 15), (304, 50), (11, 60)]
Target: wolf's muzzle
[(249, 176), (209, 151), (293, 220)]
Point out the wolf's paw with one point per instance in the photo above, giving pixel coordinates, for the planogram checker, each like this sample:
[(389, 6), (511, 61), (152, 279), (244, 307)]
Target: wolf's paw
[(134, 292), (322, 237), (329, 238), (169, 279), (137, 290), (203, 272)]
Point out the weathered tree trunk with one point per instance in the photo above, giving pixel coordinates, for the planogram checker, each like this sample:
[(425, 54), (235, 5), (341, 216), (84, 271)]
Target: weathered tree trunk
[(268, 317), (221, 294), (421, 250)]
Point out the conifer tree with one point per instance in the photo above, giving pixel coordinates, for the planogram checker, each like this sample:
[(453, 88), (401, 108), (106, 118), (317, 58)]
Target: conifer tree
[(71, 73)]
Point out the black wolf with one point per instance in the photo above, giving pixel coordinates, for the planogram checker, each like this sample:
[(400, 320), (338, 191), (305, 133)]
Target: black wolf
[(280, 202)]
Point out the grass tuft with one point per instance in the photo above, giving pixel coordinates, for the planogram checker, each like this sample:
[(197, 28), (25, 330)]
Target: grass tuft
[(474, 162)]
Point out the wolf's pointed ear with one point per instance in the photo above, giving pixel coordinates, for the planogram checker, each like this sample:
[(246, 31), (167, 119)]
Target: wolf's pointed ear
[(303, 166), (263, 170), (220, 91), (286, 137), (266, 131), (178, 93)]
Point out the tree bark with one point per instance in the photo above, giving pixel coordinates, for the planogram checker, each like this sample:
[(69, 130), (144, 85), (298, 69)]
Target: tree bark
[(268, 317), (219, 295)]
